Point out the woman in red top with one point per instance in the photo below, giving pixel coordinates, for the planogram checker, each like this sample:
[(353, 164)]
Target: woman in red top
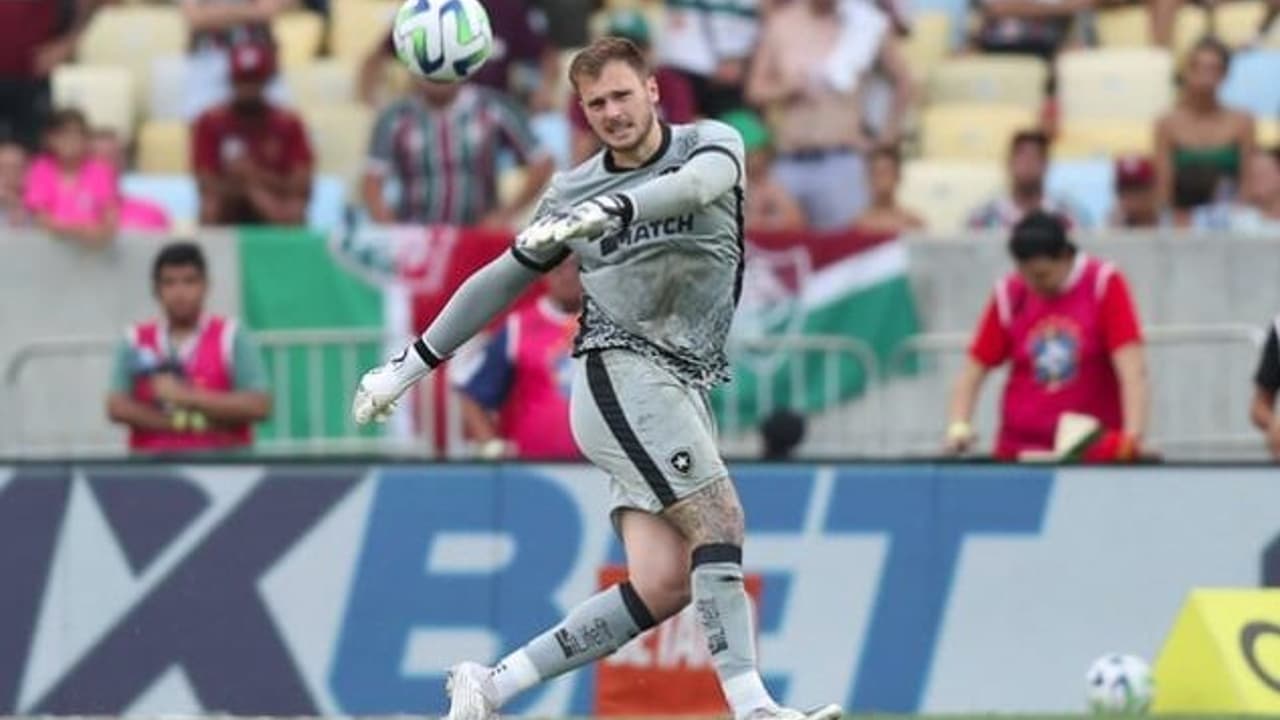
[(1067, 325)]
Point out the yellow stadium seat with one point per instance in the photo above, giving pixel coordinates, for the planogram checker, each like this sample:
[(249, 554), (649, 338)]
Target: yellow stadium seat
[(130, 36), (510, 182), (1090, 138), (944, 192), (298, 35), (356, 26), (1236, 23), (972, 131), (330, 81), (929, 43), (1009, 79), (1128, 26), (164, 146), (1115, 83), (340, 139), (1268, 133), (1190, 25), (104, 93)]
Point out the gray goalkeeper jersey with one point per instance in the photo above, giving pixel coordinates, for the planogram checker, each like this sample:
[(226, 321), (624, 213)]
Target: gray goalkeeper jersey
[(663, 288)]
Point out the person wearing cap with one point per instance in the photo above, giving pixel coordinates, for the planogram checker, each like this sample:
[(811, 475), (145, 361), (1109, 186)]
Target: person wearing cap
[(216, 29), (252, 159), (675, 95), (1137, 201), (769, 207), (1067, 325)]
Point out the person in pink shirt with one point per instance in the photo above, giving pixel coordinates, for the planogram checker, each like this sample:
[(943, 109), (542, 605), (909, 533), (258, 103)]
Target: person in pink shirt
[(135, 213), (515, 398), (69, 191)]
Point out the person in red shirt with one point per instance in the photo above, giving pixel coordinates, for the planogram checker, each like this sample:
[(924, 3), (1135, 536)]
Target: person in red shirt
[(252, 160), (1067, 325)]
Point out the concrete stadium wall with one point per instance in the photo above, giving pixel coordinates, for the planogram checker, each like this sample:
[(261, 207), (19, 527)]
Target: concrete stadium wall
[(1183, 278), (50, 289), (292, 590)]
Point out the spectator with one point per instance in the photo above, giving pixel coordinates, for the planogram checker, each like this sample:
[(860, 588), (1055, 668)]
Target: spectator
[(515, 399), (769, 207), (1136, 203), (885, 215), (1028, 164), (1260, 211), (1033, 27), (35, 37), (69, 191), (1068, 327), (711, 44), (1266, 383), (135, 213), (252, 159), (13, 168), (188, 380), (675, 95), (811, 89), (523, 64), (1194, 206), (218, 28), (1199, 130), (441, 145)]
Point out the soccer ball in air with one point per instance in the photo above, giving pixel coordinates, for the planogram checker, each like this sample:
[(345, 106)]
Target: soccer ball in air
[(442, 40), (1119, 684)]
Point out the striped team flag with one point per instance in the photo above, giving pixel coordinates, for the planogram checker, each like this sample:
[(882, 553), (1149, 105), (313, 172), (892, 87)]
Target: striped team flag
[(801, 285)]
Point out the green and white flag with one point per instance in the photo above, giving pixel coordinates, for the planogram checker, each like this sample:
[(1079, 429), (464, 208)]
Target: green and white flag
[(811, 307)]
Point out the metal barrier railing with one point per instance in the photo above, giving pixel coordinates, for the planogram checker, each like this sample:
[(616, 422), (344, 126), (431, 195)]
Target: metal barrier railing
[(76, 370), (1200, 393), (1214, 420), (845, 367)]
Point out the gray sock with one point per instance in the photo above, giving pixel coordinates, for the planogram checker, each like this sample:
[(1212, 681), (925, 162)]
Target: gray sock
[(603, 623), (724, 610)]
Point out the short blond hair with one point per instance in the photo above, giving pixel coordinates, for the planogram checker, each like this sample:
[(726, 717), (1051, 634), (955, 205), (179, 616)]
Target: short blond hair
[(590, 61)]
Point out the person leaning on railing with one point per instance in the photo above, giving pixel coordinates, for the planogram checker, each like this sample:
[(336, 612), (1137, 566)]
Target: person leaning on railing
[(188, 380), (1067, 325)]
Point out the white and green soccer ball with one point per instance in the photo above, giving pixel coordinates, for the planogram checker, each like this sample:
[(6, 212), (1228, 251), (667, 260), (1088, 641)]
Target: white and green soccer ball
[(443, 40), (1119, 684)]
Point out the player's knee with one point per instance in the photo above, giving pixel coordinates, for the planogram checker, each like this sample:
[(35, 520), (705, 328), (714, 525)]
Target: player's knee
[(665, 590)]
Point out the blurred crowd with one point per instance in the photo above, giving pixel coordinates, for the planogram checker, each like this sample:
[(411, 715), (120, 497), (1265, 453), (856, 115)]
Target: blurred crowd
[(284, 112)]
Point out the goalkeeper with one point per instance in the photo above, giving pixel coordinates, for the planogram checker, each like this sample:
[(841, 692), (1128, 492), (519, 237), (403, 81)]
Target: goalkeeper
[(656, 221)]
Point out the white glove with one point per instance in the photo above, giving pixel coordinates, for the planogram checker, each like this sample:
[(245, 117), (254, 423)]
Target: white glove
[(379, 389), (593, 219)]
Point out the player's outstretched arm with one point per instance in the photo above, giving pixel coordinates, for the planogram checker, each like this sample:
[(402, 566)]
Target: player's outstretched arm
[(712, 170), (477, 301)]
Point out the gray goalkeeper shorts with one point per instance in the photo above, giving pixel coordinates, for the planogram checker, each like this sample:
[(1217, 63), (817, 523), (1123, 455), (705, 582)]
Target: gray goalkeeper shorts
[(653, 435)]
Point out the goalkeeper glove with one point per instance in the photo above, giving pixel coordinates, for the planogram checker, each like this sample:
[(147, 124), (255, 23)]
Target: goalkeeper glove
[(593, 219)]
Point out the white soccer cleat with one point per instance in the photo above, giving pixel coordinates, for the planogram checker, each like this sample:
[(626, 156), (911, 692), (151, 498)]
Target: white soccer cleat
[(468, 700), (776, 712), (379, 389)]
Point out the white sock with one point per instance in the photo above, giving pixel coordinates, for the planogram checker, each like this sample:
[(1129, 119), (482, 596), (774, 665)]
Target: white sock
[(513, 675), (745, 693)]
